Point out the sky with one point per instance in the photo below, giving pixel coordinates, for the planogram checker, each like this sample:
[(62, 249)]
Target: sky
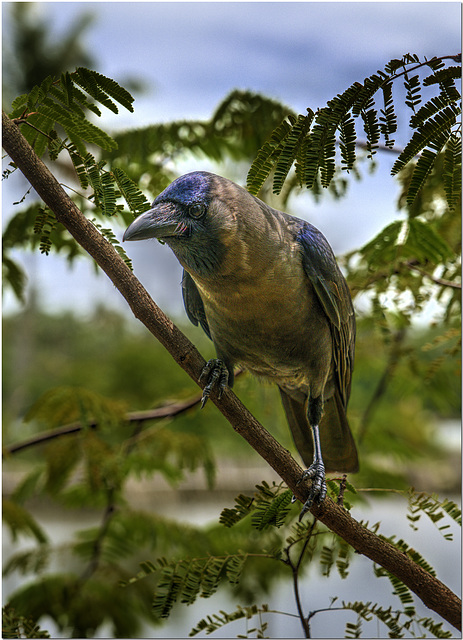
[(190, 55)]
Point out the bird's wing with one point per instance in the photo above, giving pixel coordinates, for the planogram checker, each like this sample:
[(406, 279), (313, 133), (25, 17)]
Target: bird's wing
[(193, 304), (333, 293)]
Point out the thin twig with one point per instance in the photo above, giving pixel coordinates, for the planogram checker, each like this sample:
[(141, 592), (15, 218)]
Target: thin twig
[(108, 515), (383, 382), (168, 410), (455, 58), (441, 281), (295, 570), (95, 559), (342, 489)]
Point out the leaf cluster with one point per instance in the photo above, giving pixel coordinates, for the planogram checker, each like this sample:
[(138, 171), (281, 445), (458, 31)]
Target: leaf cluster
[(413, 260), (90, 466), (182, 581), (216, 621), (64, 103), (400, 624), (419, 503), (17, 626), (311, 140), (54, 118)]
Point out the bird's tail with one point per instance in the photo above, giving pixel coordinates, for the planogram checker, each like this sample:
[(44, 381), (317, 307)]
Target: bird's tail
[(338, 447)]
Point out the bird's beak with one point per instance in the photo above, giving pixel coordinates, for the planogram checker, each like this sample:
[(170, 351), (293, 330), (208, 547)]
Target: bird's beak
[(159, 222)]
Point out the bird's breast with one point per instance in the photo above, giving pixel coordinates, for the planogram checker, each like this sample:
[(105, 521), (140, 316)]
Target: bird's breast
[(270, 323)]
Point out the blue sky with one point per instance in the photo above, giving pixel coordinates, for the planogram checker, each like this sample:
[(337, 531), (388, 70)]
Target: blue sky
[(191, 54)]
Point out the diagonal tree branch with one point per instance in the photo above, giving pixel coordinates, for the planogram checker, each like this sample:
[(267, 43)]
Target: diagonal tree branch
[(433, 592)]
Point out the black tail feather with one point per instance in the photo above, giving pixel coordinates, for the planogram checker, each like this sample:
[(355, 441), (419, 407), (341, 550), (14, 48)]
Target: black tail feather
[(338, 447)]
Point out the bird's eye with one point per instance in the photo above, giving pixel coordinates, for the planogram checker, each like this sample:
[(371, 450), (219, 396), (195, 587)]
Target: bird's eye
[(196, 210)]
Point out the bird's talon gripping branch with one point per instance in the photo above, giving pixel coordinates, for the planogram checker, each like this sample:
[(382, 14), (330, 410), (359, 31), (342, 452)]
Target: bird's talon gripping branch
[(318, 489), (216, 374)]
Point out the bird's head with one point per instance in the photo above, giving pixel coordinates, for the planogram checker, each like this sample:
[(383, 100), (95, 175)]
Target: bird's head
[(197, 216)]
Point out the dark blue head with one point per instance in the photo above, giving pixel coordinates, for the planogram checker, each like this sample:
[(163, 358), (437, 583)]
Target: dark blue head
[(192, 189), (180, 216)]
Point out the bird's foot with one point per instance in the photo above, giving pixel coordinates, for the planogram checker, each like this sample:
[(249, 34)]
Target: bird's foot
[(318, 490), (216, 374)]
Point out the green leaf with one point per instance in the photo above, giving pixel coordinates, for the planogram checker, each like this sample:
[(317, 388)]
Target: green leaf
[(267, 156), (44, 224), (452, 170), (110, 237), (290, 149), (413, 91), (388, 118), (20, 521), (425, 243), (243, 506), (135, 199), (14, 276), (103, 89), (431, 130), (73, 125), (371, 128), (272, 512), (424, 166), (212, 623), (18, 106), (429, 109), (347, 141)]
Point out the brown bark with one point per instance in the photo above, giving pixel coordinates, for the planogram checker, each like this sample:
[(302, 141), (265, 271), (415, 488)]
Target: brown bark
[(434, 594)]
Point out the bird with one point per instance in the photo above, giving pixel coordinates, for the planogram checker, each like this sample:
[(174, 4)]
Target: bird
[(267, 290)]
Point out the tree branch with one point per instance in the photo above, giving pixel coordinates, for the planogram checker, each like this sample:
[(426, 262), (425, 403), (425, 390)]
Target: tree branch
[(165, 411), (441, 281), (432, 591), (391, 364)]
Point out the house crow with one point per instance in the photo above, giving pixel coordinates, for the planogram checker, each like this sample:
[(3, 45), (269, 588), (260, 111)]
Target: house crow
[(267, 290)]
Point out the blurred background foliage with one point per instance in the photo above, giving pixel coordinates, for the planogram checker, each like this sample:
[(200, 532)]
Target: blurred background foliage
[(44, 351), (63, 368)]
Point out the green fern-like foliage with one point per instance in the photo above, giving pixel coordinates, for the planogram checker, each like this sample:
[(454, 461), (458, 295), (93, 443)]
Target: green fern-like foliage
[(33, 227), (217, 621), (272, 512), (60, 106), (310, 140), (44, 224), (435, 509), (185, 580), (64, 103), (18, 626), (400, 624), (269, 506), (338, 554), (98, 446), (110, 237), (400, 590), (238, 127), (21, 522)]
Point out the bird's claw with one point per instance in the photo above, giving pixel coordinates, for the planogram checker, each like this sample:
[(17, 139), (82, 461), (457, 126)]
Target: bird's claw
[(318, 490), (216, 374)]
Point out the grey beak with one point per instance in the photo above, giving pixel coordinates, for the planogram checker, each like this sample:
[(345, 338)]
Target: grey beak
[(159, 222)]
